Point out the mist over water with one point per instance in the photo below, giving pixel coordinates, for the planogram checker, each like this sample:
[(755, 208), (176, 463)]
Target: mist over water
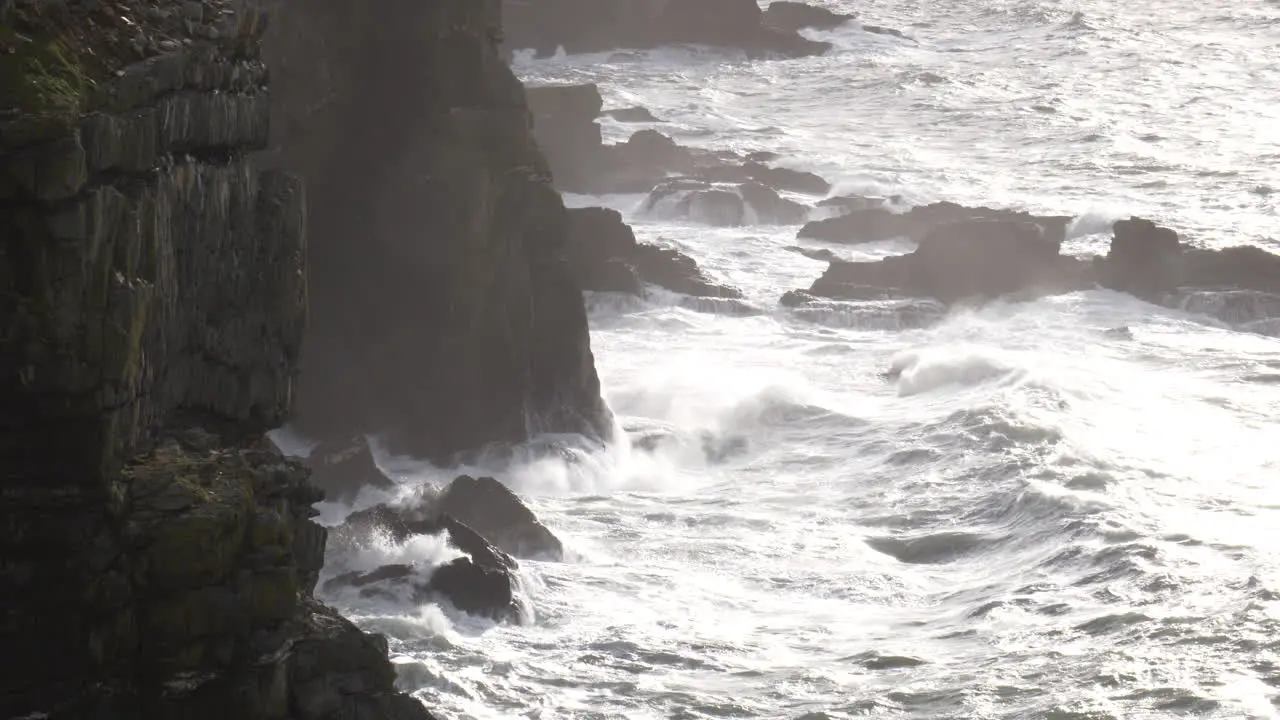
[(877, 509)]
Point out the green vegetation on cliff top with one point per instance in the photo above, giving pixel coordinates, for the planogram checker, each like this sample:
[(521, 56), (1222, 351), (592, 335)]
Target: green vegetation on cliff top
[(42, 86)]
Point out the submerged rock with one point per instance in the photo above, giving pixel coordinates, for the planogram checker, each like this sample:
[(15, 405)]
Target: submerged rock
[(632, 115), (480, 583), (726, 205)]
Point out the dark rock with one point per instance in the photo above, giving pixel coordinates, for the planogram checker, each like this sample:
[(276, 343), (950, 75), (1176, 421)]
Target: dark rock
[(770, 208), (499, 515), (879, 30), (599, 25), (599, 239), (1018, 255), (342, 470), (476, 589), (727, 205), (1242, 267), (796, 298), (785, 179), (564, 123), (880, 223), (335, 669), (792, 16), (461, 224), (1149, 261), (482, 583), (714, 207), (763, 156), (1143, 259), (632, 115), (820, 254), (852, 203), (971, 259)]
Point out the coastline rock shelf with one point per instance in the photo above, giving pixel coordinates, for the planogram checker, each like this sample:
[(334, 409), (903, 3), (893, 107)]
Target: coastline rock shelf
[(974, 260)]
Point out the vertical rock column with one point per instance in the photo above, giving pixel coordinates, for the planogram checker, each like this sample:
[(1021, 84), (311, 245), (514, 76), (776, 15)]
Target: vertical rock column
[(443, 309)]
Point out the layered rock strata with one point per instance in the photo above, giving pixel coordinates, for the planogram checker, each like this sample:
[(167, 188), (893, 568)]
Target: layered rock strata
[(157, 562)]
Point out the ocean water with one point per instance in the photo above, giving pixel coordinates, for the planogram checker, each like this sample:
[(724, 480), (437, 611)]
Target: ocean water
[(1030, 519)]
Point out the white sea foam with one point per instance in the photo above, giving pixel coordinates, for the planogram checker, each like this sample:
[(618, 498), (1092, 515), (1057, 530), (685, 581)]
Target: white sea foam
[(882, 509)]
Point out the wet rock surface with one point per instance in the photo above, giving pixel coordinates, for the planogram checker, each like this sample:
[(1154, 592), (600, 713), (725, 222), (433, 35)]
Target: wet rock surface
[(878, 222), (159, 557), (606, 257), (427, 190), (792, 16), (1020, 257), (479, 517)]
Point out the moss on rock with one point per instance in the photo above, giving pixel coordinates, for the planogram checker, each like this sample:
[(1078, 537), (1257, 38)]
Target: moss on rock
[(42, 88)]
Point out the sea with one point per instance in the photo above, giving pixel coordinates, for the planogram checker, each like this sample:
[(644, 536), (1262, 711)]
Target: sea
[(882, 509)]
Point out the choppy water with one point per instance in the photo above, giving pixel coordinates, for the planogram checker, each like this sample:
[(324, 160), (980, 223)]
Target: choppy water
[(1034, 520)]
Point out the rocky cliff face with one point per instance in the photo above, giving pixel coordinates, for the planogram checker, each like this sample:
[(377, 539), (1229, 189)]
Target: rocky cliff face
[(443, 310), (156, 562)]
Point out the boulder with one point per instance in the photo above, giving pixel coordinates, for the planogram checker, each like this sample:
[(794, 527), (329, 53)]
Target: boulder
[(481, 583), (786, 16), (725, 205), (581, 26), (877, 223), (600, 242), (500, 516)]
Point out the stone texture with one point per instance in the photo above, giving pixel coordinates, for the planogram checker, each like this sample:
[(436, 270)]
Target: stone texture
[(427, 192), (157, 560)]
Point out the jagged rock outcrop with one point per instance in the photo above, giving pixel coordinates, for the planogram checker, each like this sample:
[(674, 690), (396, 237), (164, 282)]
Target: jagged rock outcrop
[(482, 581), (971, 259), (792, 16), (580, 26), (157, 563), (988, 258), (498, 514), (876, 223), (443, 311), (607, 257), (725, 205)]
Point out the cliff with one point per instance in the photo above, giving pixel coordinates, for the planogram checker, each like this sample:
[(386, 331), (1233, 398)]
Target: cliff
[(157, 562), (443, 310)]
